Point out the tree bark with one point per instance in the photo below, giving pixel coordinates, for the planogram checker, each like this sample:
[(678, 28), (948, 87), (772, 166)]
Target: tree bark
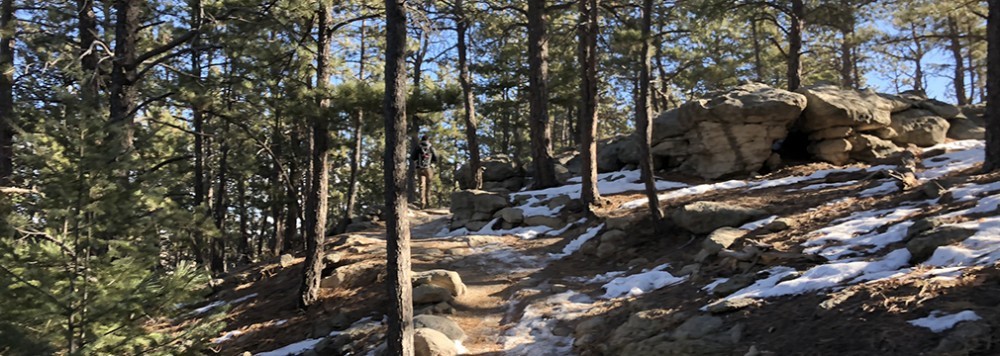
[(846, 58), (198, 119), (316, 201), (918, 56), (538, 64), (358, 129), (124, 76), (399, 337), (588, 102), (87, 28), (644, 113), (955, 46), (277, 190), (992, 161), (758, 66), (796, 16), (469, 116), (244, 245), (6, 92), (219, 242)]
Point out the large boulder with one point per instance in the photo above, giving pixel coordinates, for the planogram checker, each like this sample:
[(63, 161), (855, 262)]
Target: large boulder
[(475, 207), (614, 154), (444, 325), (919, 127), (446, 279), (705, 216), (940, 108), (430, 342), (965, 129), (732, 132), (499, 172), (831, 106), (870, 148)]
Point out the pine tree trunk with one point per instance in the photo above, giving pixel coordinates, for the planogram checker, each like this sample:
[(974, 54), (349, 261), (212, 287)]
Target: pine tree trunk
[(758, 66), (124, 75), (277, 190), (87, 28), (219, 242), (244, 245), (415, 121), (469, 115), (644, 113), (955, 45), (588, 102), (846, 60), (358, 129), (292, 198), (198, 119), (992, 162), (399, 337), (794, 74), (6, 92), (918, 56), (316, 200), (538, 64)]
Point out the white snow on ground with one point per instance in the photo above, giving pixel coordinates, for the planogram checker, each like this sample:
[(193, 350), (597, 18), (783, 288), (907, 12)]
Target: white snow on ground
[(607, 183), (845, 231), (533, 335), (820, 174), (969, 153), (708, 288), (973, 191), (887, 187), (281, 322), (578, 242), (683, 192), (460, 349), (825, 276), (824, 186), (939, 321), (228, 336), (754, 225), (293, 349), (640, 283), (208, 307), (308, 344), (982, 248), (220, 303), (601, 278)]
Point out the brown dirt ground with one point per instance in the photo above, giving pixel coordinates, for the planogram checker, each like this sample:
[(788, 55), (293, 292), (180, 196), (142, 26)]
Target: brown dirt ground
[(871, 319)]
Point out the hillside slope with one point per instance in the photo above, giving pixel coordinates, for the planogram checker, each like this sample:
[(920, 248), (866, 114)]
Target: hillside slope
[(811, 260)]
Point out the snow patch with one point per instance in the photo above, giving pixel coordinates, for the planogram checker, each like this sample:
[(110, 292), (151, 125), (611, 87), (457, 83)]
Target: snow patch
[(939, 321), (754, 225), (640, 283), (575, 245), (293, 349), (532, 335), (885, 188)]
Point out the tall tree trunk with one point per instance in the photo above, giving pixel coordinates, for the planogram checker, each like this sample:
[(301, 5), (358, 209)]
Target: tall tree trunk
[(588, 102), (955, 45), (469, 115), (292, 201), (277, 189), (198, 119), (244, 245), (918, 56), (316, 200), (846, 58), (644, 124), (358, 132), (219, 242), (794, 74), (6, 91), (758, 66), (416, 121), (992, 162), (124, 75), (399, 337), (538, 64), (87, 28)]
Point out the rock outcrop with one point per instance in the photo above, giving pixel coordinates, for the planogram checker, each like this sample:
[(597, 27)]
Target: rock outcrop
[(500, 174), (733, 132), (473, 209)]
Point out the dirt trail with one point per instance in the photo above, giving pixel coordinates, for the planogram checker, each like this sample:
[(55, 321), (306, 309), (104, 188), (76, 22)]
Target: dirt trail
[(489, 266)]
